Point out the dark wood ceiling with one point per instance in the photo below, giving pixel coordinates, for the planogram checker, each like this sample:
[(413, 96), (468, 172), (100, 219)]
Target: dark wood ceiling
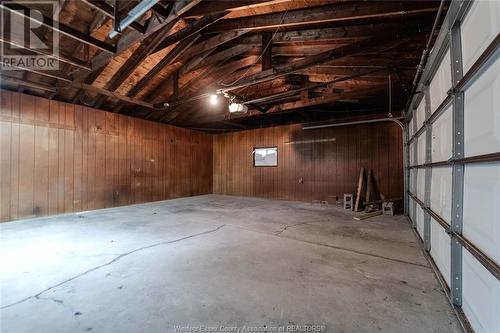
[(288, 61)]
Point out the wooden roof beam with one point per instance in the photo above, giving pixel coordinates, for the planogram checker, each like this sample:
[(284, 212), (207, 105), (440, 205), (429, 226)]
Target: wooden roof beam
[(139, 54), (78, 85), (313, 86), (281, 71), (344, 35), (130, 38), (331, 56), (161, 10), (160, 40), (197, 83), (214, 42), (197, 51), (346, 13), (298, 65), (331, 34), (218, 57), (26, 83), (231, 5), (190, 30), (169, 58), (303, 63), (304, 103)]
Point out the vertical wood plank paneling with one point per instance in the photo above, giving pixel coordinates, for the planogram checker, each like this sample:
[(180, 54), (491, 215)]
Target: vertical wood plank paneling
[(91, 159), (78, 158), (100, 159), (62, 158), (53, 190), (57, 157), (68, 170), (5, 155), (41, 167), (26, 169), (122, 162), (328, 169), (53, 174), (14, 155), (84, 167), (60, 162), (216, 164)]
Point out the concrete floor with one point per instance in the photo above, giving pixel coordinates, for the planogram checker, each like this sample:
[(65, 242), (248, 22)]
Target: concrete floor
[(216, 261)]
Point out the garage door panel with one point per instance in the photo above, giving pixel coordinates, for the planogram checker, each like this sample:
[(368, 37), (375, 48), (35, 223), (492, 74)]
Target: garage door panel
[(441, 182), (481, 201), (420, 114), (421, 184), (481, 113), (412, 148), (419, 218), (421, 148), (411, 184), (481, 296), (440, 83), (442, 136), (441, 249), (478, 30), (411, 210)]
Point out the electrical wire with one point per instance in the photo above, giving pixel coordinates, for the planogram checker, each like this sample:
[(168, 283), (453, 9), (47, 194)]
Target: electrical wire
[(260, 56)]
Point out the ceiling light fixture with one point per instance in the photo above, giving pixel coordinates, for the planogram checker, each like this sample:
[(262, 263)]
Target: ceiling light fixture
[(237, 108), (214, 99)]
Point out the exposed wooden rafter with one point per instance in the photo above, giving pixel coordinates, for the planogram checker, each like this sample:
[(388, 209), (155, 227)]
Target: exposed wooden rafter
[(283, 57), (345, 13), (144, 50), (190, 30), (169, 58)]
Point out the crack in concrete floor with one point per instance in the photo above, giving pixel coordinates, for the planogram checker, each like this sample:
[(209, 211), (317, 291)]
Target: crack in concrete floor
[(62, 305), (277, 234), (37, 295)]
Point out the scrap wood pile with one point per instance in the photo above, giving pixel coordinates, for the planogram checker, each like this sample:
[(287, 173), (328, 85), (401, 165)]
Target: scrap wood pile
[(369, 200)]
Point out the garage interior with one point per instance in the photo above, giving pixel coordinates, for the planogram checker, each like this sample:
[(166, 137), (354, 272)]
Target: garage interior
[(249, 166)]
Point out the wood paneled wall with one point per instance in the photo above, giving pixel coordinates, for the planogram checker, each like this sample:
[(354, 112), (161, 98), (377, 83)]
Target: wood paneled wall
[(57, 158), (327, 160)]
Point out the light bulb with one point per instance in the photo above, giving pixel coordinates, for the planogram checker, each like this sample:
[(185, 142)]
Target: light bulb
[(213, 99)]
